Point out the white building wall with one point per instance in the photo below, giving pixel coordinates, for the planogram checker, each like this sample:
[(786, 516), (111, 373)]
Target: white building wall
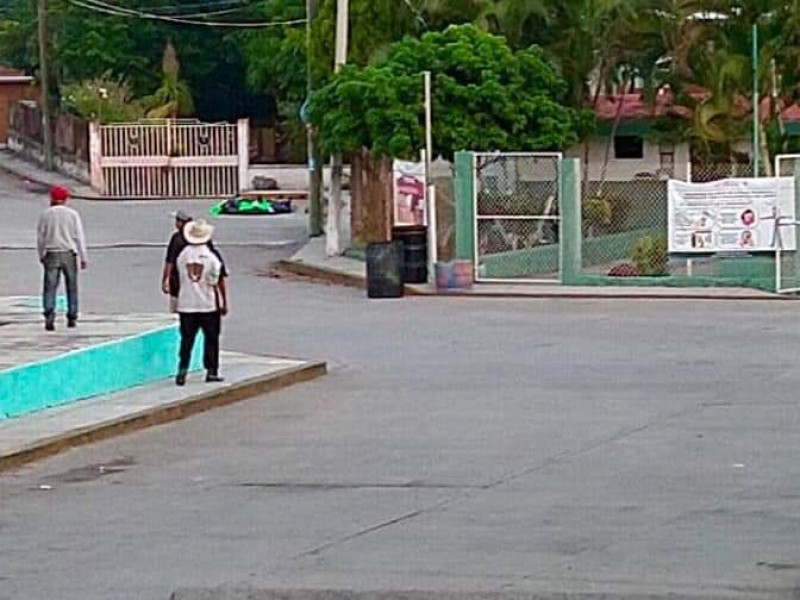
[(623, 169)]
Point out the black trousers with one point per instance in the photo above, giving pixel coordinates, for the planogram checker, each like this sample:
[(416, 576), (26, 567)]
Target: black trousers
[(210, 323)]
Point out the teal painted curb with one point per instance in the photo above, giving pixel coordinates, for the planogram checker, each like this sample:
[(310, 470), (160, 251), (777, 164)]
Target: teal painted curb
[(107, 426), (92, 371)]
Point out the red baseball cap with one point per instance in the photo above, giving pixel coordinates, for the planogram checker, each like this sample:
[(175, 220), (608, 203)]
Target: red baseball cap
[(59, 193)]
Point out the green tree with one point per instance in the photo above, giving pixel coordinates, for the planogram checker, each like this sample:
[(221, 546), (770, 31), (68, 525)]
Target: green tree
[(86, 44), (104, 99), (486, 97), (520, 21), (17, 33)]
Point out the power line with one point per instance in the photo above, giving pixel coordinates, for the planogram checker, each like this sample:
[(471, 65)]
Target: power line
[(130, 12), (212, 5), (118, 11), (213, 13)]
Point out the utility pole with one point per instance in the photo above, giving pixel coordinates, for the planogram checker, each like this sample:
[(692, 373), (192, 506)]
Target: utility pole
[(333, 231), (44, 77), (315, 225)]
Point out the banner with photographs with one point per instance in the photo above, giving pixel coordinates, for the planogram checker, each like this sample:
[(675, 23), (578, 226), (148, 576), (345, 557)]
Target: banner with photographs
[(731, 215), (408, 181)]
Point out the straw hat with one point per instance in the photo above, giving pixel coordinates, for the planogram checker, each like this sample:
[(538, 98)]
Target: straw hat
[(197, 232)]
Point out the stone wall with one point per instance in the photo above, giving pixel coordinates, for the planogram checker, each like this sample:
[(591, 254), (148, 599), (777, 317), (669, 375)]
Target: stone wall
[(70, 138)]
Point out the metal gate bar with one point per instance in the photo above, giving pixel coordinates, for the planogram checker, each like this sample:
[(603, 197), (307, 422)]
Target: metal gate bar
[(517, 225), (169, 158)]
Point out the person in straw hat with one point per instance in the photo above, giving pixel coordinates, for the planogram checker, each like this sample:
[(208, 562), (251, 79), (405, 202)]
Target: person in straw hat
[(202, 299), (169, 276)]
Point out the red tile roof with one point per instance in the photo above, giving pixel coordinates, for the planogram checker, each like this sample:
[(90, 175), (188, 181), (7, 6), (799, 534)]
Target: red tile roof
[(635, 107)]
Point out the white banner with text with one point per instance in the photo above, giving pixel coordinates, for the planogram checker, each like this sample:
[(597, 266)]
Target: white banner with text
[(731, 215)]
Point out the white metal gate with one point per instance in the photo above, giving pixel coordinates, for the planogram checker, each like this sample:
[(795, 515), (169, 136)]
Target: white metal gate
[(517, 222), (169, 158)]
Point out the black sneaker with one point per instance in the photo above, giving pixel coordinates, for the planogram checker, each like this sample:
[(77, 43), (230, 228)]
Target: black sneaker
[(49, 326), (72, 323), (214, 378), (180, 378)]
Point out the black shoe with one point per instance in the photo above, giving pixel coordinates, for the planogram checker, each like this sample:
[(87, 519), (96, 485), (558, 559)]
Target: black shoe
[(72, 323), (49, 326), (180, 378), (214, 378)]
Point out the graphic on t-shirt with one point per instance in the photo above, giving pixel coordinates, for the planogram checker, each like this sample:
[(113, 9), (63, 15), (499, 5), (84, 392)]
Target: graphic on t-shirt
[(195, 271)]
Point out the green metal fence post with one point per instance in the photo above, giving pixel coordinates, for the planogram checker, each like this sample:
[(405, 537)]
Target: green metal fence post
[(465, 205), (796, 253), (569, 178)]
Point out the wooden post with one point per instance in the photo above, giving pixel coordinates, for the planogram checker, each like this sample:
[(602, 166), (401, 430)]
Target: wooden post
[(44, 76)]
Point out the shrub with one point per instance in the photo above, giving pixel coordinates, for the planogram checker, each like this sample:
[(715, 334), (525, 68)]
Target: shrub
[(650, 256), (623, 270), (102, 99)]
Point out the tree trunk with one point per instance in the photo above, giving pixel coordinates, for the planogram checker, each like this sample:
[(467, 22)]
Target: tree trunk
[(371, 199), (586, 142), (610, 141), (766, 159), (335, 243)]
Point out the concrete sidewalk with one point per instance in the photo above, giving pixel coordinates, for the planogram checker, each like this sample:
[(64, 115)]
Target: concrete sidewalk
[(47, 432), (39, 180), (312, 261), (111, 375)]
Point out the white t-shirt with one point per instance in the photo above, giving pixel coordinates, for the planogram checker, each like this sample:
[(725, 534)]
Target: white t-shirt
[(198, 270)]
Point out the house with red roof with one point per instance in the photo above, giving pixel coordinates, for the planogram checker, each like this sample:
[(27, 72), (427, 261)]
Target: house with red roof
[(632, 153)]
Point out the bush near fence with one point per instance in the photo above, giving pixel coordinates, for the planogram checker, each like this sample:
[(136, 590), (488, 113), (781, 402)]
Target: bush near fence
[(634, 210), (632, 240)]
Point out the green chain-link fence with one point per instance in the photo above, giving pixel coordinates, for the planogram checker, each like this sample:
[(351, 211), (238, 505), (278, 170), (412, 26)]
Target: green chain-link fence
[(624, 228), (517, 216), (625, 235)]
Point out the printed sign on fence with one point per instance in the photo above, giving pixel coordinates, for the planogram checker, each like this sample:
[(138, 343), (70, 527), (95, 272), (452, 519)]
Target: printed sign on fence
[(408, 180), (731, 215)]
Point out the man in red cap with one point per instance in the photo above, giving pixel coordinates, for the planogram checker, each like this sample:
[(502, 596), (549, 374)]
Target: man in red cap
[(62, 246)]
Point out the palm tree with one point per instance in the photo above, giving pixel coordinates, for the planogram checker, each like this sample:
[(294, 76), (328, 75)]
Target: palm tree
[(173, 99), (518, 20)]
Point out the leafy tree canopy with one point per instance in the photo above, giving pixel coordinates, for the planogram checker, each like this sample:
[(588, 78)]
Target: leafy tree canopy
[(86, 44), (485, 97)]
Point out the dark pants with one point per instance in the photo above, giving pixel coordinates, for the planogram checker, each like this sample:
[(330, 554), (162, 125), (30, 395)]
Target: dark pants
[(56, 263), (210, 323)]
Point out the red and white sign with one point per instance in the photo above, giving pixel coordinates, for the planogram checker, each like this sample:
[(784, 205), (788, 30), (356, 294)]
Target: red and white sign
[(408, 182)]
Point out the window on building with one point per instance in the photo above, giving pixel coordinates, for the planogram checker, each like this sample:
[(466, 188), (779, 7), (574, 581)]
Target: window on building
[(628, 147), (667, 161)]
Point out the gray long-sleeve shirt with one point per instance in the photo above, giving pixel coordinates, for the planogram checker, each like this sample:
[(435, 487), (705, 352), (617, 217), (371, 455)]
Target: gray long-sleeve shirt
[(60, 230)]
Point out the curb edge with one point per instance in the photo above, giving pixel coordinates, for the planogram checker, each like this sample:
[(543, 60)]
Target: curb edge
[(160, 415), (338, 278)]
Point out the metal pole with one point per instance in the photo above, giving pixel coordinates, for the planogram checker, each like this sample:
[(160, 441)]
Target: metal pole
[(756, 102), (342, 32), (315, 226), (44, 77), (430, 190), (428, 128)]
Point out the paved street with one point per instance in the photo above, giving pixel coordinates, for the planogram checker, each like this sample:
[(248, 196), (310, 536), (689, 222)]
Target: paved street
[(459, 444)]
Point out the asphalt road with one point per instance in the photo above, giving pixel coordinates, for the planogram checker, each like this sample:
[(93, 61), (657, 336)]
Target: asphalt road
[(614, 447)]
